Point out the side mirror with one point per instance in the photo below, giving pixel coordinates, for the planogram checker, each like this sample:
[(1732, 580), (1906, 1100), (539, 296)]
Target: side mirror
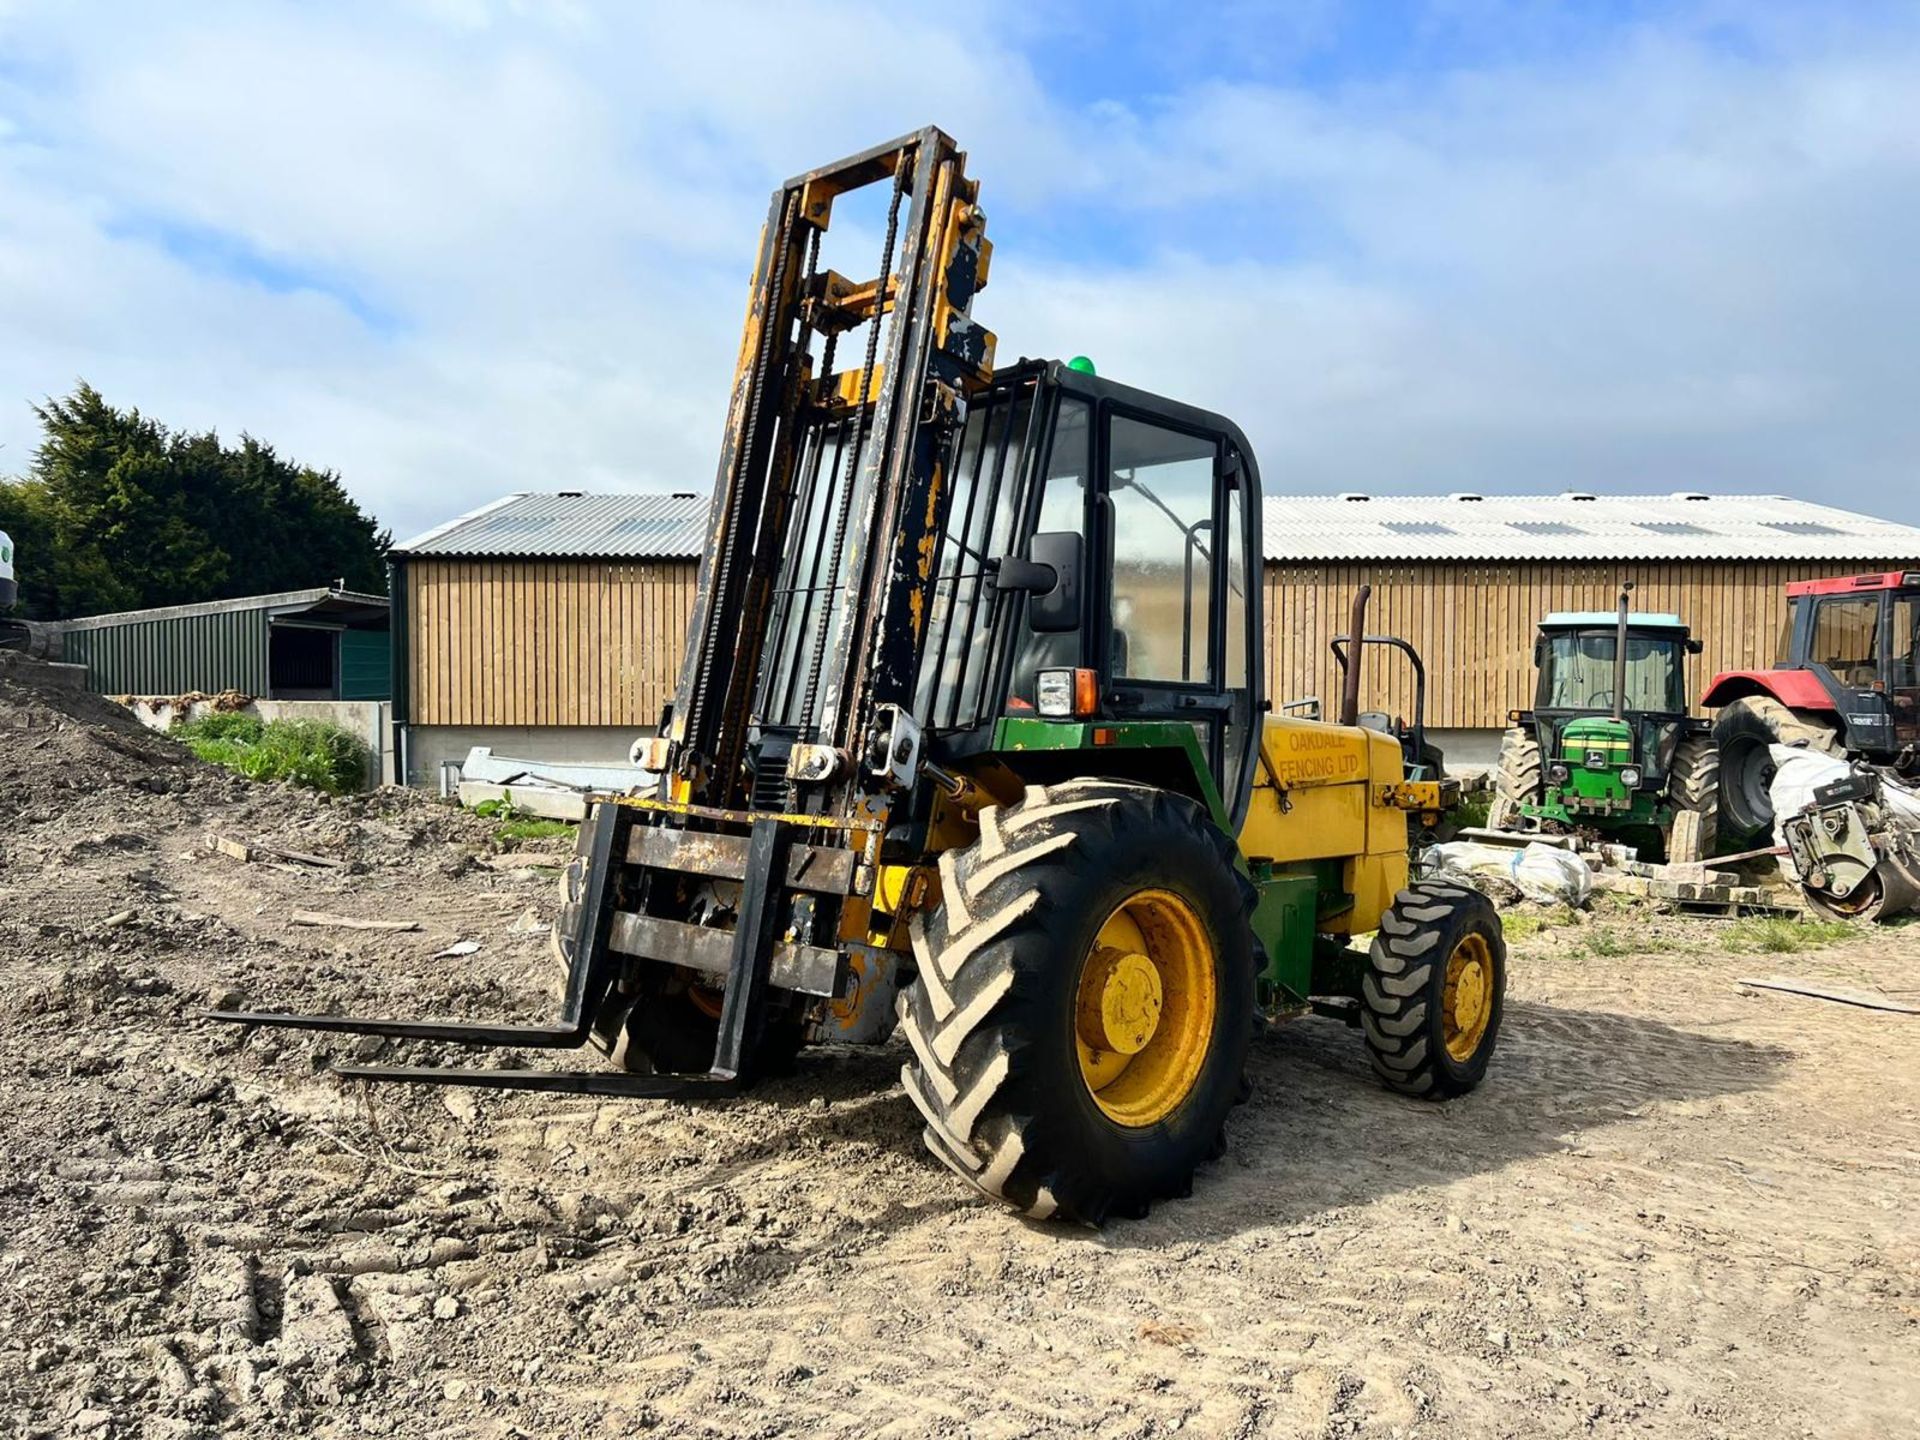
[(1694, 647), (1051, 577)]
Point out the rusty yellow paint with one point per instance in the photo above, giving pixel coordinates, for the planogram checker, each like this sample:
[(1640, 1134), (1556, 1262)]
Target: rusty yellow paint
[(845, 386)]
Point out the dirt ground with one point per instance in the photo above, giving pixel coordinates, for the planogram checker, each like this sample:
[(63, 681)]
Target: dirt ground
[(1679, 1207)]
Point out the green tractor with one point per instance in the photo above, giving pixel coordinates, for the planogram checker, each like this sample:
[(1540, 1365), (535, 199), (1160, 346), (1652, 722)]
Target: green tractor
[(1609, 746)]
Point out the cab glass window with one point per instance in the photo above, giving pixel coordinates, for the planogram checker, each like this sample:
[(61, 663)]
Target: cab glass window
[(1845, 637), (1905, 641), (1160, 485), (1063, 507)]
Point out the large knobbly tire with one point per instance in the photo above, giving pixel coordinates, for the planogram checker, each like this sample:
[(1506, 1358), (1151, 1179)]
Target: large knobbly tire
[(1519, 776), (1411, 995), (1693, 785), (996, 1070), (1742, 735)]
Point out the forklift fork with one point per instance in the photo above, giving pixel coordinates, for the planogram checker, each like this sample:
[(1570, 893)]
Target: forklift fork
[(592, 969)]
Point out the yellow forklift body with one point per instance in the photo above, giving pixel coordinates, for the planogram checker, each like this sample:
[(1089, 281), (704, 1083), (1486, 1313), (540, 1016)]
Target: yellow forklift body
[(1331, 792)]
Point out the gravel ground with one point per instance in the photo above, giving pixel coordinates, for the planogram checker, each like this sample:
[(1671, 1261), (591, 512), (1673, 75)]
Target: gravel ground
[(1679, 1206)]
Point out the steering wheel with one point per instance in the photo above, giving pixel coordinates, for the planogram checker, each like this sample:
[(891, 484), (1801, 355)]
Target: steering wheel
[(1601, 697)]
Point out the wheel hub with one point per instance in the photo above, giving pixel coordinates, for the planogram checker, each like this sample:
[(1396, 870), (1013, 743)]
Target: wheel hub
[(1120, 1002), (1145, 1008), (1468, 1004)]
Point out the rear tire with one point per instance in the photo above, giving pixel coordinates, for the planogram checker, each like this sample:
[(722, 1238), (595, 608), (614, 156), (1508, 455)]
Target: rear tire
[(1693, 785), (1519, 778), (997, 1014), (1742, 734), (1434, 991)]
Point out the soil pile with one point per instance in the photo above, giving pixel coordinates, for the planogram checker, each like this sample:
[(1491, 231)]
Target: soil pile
[(57, 742)]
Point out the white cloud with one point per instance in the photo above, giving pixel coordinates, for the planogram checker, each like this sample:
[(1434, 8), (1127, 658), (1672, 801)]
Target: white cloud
[(1666, 262)]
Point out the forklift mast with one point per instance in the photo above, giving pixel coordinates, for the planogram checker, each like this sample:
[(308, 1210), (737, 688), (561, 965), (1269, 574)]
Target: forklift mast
[(833, 491)]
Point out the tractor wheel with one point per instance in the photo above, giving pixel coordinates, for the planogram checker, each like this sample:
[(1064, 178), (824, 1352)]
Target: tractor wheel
[(1693, 784), (1742, 734), (1435, 986), (1084, 1002), (1519, 777)]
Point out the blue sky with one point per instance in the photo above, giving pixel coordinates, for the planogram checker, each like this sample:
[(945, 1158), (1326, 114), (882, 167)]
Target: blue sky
[(456, 247)]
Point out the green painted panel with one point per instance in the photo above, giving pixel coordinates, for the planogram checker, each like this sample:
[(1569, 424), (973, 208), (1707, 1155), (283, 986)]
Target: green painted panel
[(1176, 738), (223, 651), (366, 671)]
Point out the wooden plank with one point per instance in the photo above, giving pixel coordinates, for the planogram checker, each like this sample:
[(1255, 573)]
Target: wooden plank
[(347, 922)]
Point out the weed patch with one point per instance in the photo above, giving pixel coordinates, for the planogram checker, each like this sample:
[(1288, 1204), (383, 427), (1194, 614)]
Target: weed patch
[(517, 824), (531, 827), (304, 752), (1520, 924), (1773, 935)]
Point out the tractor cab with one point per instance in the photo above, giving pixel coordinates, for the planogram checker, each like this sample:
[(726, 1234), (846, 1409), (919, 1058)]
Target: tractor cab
[(1608, 745), (1609, 728), (1847, 683), (1859, 639)]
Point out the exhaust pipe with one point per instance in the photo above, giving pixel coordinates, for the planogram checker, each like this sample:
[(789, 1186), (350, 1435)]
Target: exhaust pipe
[(1620, 655), (1350, 681)]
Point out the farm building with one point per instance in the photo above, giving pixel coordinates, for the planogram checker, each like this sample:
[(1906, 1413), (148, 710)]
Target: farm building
[(321, 644), (550, 627), (547, 627)]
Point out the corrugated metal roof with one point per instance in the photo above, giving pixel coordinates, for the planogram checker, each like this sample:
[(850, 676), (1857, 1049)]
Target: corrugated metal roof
[(323, 601), (1571, 526), (1681, 526), (569, 524)]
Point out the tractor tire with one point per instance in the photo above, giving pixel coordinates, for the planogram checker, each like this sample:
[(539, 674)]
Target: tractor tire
[(1742, 734), (1434, 991), (1520, 776), (1090, 908), (1693, 785)]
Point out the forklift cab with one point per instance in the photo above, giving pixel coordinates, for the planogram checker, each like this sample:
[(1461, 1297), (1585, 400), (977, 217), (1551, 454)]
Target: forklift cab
[(1121, 533)]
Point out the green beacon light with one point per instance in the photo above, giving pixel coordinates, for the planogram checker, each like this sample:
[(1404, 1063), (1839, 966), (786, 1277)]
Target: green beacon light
[(1082, 364)]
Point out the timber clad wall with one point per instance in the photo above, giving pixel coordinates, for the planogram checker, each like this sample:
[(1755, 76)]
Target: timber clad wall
[(1474, 623), (521, 642)]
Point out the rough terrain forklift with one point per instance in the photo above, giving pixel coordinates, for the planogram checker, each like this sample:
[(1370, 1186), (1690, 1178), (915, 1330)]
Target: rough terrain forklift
[(971, 737), (1848, 683), (1608, 745)]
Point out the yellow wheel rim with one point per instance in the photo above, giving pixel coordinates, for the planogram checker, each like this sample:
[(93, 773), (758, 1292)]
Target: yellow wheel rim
[(1144, 1015), (1467, 1004)]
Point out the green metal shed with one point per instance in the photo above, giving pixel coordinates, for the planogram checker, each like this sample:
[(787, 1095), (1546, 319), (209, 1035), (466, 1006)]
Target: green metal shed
[(322, 644)]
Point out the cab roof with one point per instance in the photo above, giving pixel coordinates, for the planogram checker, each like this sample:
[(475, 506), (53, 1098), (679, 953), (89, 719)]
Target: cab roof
[(1608, 619)]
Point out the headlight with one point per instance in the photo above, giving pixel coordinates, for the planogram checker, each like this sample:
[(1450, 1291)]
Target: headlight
[(1062, 694), (1558, 774), (1630, 776), (1053, 693)]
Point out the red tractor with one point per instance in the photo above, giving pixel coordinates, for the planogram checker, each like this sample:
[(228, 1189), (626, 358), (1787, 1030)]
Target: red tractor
[(1848, 683)]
